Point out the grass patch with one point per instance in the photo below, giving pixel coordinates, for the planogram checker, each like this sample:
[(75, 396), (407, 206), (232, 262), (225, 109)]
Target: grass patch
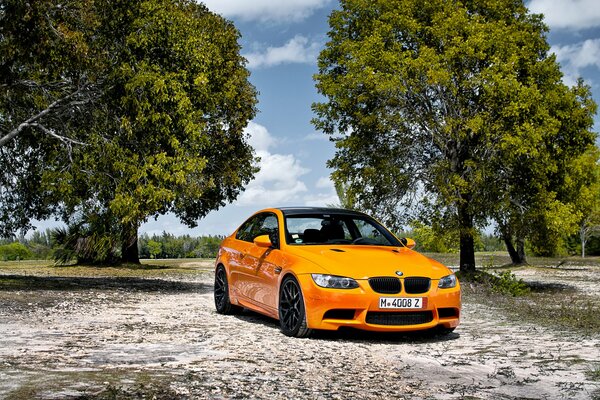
[(558, 307), (593, 373), (504, 282), (147, 268), (121, 384), (501, 258)]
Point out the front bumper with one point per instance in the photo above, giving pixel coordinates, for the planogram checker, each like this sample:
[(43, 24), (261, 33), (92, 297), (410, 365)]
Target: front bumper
[(330, 309)]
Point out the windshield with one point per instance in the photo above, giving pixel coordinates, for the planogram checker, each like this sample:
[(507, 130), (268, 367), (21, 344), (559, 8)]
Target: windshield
[(336, 229)]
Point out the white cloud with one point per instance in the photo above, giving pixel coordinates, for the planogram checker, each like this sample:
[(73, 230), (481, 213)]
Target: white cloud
[(321, 200), (325, 182), (279, 178), (260, 138), (316, 136), (574, 57), (297, 50), (325, 194), (266, 10), (568, 14)]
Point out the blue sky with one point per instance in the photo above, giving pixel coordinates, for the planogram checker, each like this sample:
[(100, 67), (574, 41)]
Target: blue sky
[(281, 40)]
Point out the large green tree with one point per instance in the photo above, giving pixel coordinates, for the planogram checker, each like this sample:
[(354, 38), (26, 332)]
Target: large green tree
[(426, 98), (165, 133)]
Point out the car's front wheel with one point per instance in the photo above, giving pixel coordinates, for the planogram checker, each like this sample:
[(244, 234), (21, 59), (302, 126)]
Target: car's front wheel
[(292, 314), (221, 293)]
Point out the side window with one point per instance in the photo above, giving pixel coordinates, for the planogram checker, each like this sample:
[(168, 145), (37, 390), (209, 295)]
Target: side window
[(270, 227), (245, 231), (262, 224)]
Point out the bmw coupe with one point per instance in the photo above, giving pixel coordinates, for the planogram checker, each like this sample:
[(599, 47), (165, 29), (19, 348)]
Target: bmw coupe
[(326, 268)]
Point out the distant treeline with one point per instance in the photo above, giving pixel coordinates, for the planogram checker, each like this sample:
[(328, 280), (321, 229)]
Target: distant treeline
[(430, 240), (171, 246), (42, 245)]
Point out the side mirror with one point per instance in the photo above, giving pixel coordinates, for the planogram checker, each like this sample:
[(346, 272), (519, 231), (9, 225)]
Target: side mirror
[(408, 242), (263, 241)]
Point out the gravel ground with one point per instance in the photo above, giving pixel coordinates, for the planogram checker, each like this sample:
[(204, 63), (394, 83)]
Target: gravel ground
[(105, 338)]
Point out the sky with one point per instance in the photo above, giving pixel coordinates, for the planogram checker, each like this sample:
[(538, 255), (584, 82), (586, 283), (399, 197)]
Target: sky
[(281, 40)]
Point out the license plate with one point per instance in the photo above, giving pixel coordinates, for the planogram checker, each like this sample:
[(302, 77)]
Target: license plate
[(401, 302)]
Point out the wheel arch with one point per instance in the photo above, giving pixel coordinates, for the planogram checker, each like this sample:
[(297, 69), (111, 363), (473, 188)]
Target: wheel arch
[(284, 276)]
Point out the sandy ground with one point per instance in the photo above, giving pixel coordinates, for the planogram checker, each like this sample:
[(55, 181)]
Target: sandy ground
[(138, 338)]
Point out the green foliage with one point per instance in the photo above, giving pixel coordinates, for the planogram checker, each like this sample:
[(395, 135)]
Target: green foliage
[(171, 246), (48, 79), (163, 130), (14, 252), (89, 241), (593, 373), (502, 282), (154, 248), (451, 111), (587, 169), (430, 239), (508, 283), (490, 243)]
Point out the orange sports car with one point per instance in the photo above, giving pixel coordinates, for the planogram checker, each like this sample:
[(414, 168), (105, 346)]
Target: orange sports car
[(325, 268)]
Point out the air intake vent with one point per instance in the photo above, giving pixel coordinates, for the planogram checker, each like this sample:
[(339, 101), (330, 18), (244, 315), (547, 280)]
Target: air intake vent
[(399, 318), (386, 284)]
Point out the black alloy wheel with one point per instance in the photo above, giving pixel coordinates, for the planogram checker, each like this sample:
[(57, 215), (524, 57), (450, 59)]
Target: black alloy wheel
[(292, 315), (221, 292)]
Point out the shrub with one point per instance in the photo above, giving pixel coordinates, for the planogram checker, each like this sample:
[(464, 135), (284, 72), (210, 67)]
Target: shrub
[(14, 251), (504, 282)]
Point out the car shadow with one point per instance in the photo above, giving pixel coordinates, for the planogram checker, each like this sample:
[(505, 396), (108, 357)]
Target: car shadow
[(60, 283), (550, 287), (354, 335)]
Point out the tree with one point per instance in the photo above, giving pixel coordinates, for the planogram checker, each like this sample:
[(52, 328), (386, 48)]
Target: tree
[(166, 132), (426, 99), (538, 188), (154, 248), (588, 200)]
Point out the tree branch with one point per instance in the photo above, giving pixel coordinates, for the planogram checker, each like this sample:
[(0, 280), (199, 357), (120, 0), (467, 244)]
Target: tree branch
[(32, 122)]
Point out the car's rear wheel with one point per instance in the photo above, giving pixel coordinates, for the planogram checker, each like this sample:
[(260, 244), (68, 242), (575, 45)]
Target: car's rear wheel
[(221, 293), (292, 314)]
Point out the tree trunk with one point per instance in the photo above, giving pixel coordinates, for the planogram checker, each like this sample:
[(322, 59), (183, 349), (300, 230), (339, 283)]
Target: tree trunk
[(517, 255), (582, 236), (521, 250), (467, 243), (512, 252), (129, 244)]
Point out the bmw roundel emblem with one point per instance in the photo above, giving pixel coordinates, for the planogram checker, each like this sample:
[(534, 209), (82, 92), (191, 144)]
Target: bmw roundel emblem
[(399, 273)]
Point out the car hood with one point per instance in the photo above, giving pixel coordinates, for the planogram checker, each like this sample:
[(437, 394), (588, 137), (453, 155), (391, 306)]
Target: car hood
[(361, 262)]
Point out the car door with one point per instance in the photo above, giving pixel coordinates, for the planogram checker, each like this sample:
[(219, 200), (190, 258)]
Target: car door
[(265, 263), (252, 268), (239, 265)]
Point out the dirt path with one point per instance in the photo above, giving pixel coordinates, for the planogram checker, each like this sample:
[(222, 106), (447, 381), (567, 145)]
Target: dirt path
[(133, 337)]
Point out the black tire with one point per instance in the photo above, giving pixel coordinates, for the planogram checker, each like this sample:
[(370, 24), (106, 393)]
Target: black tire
[(292, 315), (221, 293)]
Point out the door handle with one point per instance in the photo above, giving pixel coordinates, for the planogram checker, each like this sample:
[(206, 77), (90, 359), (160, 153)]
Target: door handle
[(277, 270)]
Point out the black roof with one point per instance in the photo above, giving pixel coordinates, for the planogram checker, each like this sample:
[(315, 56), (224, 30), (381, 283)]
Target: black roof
[(317, 210)]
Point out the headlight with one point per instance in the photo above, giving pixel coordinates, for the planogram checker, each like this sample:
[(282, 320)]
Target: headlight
[(447, 282), (334, 282)]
